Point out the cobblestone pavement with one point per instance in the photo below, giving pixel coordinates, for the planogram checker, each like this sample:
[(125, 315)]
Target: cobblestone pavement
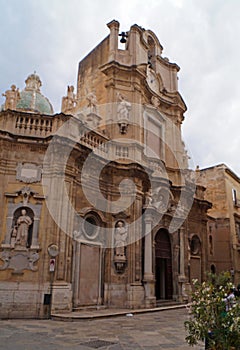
[(155, 331)]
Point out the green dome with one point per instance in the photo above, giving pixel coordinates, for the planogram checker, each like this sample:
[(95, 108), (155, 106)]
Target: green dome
[(33, 101)]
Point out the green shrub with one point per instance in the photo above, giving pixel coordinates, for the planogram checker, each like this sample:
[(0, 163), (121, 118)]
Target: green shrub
[(207, 313)]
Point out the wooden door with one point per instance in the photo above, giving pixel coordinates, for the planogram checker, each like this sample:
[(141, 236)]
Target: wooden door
[(163, 265), (87, 282)]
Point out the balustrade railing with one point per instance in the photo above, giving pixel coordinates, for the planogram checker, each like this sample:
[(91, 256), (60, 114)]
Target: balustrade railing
[(33, 125), (44, 126)]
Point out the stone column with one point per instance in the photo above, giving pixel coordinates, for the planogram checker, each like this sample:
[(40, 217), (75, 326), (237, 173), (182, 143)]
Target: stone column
[(148, 273), (148, 279), (7, 239), (182, 279), (35, 244), (76, 271), (182, 253), (113, 39)]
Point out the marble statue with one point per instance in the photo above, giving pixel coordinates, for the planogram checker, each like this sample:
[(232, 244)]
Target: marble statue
[(22, 228), (12, 97), (123, 109), (92, 102), (69, 101), (120, 238)]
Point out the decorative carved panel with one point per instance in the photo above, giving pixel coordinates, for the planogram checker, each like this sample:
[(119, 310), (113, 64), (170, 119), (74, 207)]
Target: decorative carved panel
[(28, 172)]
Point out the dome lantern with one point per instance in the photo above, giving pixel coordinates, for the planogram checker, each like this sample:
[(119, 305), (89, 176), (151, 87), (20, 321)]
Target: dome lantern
[(33, 82)]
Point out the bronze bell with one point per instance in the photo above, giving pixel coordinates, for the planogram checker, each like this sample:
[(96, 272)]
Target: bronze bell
[(123, 37)]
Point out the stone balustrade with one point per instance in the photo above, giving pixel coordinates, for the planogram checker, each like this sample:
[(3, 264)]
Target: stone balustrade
[(33, 125), (93, 141), (41, 126)]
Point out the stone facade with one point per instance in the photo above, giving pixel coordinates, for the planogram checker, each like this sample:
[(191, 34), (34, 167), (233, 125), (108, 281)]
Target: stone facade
[(223, 191), (105, 183)]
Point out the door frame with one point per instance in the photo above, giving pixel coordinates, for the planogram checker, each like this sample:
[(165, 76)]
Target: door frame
[(76, 281)]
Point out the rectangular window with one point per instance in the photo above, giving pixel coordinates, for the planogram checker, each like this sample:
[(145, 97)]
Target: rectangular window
[(154, 133), (153, 139), (234, 196)]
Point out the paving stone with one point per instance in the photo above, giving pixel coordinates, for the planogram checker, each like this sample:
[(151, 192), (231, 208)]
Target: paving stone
[(150, 331)]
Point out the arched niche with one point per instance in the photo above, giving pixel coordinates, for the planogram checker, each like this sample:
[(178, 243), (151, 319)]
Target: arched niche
[(22, 225), (14, 210)]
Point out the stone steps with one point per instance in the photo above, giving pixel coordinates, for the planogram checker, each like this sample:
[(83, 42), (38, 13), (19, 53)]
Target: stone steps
[(106, 312), (167, 302), (89, 308)]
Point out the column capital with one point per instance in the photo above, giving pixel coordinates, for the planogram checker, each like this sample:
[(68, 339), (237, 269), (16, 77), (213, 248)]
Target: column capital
[(149, 215), (113, 24)]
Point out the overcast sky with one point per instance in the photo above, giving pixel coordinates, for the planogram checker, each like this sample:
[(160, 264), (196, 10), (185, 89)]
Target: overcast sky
[(201, 36)]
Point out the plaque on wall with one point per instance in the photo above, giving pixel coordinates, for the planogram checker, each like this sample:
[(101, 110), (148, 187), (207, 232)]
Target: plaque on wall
[(29, 172)]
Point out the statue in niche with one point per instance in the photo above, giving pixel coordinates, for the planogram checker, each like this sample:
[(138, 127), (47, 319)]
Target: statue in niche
[(69, 101), (12, 97), (160, 204), (181, 211), (123, 109), (92, 102), (120, 239), (21, 229), (160, 200)]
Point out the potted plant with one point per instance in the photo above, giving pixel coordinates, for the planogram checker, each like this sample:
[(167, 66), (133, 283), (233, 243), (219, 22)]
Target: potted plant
[(210, 319)]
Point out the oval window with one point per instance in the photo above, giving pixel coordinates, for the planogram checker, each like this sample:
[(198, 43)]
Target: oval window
[(195, 245), (90, 227)]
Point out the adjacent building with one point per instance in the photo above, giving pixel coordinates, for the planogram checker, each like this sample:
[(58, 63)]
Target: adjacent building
[(223, 191)]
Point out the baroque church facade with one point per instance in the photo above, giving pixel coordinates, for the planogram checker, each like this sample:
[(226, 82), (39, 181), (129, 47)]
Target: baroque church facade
[(98, 205)]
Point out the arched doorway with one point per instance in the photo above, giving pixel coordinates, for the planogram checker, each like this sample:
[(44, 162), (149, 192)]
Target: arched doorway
[(163, 265)]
